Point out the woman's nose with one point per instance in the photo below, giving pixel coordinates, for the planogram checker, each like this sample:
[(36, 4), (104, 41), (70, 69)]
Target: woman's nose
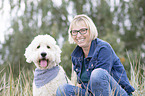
[(78, 35)]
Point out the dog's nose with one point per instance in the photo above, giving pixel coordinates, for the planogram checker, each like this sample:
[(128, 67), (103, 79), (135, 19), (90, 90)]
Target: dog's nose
[(43, 54)]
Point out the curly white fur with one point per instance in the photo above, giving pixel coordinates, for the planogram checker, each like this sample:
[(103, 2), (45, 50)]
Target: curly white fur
[(43, 43), (46, 44)]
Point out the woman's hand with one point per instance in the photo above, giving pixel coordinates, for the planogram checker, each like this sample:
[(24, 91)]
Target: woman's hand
[(79, 85)]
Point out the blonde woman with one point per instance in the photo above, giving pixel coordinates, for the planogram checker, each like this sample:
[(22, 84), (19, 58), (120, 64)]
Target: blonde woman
[(99, 70)]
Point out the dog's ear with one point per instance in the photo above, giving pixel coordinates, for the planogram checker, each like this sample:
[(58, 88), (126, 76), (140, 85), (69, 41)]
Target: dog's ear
[(28, 54), (57, 54)]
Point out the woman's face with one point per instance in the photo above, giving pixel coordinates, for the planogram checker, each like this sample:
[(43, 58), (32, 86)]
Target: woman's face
[(82, 40)]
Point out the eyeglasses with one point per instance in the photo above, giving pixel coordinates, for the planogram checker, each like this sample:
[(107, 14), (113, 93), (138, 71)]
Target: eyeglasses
[(81, 31)]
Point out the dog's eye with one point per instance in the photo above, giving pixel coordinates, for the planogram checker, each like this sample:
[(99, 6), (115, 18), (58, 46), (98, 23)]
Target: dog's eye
[(48, 47), (38, 47)]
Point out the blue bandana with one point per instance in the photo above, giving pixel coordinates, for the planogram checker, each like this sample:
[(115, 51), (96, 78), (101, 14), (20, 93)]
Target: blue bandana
[(42, 77)]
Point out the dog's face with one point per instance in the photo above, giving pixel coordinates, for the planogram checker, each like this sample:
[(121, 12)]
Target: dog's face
[(43, 51)]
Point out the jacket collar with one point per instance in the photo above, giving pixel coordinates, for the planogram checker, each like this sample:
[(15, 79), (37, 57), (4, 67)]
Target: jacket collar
[(78, 52)]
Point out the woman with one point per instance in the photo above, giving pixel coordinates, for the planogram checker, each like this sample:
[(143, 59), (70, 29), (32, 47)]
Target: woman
[(99, 70)]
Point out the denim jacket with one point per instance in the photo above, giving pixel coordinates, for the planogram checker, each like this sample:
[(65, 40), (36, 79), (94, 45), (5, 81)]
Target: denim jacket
[(101, 55)]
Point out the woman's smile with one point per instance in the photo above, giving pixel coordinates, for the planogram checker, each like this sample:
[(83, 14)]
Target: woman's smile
[(82, 40)]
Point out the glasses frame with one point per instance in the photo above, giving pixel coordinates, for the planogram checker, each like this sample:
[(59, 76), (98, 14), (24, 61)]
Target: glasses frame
[(79, 31)]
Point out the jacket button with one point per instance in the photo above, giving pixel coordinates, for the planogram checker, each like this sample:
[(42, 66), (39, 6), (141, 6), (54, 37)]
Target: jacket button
[(87, 69), (76, 69), (92, 65)]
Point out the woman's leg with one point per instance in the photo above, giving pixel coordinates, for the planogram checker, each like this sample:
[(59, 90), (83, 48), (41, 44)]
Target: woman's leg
[(103, 84), (70, 90)]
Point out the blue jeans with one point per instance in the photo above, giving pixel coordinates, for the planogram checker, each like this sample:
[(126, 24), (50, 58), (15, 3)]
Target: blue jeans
[(101, 84)]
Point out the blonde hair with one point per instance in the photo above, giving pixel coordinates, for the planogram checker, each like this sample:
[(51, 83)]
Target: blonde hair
[(89, 23)]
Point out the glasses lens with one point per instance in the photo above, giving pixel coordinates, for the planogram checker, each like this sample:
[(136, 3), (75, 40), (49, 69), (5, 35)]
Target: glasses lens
[(74, 32), (83, 31)]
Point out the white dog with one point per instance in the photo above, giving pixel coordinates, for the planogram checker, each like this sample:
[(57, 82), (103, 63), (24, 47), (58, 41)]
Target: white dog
[(48, 75)]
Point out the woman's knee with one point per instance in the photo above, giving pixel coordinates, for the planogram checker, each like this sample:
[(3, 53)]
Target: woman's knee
[(99, 82), (67, 90), (99, 74)]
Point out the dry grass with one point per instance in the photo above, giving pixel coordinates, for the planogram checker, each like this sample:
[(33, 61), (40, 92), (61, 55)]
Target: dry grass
[(137, 77), (22, 85)]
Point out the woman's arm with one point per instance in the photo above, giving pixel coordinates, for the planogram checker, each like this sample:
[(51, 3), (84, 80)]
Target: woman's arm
[(105, 58)]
